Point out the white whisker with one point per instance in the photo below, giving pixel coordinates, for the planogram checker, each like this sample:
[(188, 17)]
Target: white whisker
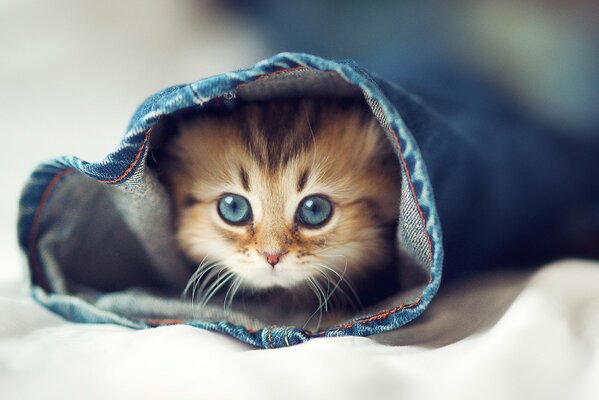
[(314, 288), (219, 283), (193, 277), (345, 280), (233, 288)]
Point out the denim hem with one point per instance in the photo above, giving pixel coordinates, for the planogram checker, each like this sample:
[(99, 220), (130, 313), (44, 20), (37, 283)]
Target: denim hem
[(124, 166)]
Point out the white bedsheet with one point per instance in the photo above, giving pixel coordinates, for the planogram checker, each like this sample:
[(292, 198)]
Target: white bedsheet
[(545, 345)]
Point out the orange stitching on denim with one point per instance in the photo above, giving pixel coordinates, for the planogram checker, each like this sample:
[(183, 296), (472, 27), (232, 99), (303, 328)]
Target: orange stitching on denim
[(281, 71), (403, 161), (277, 72), (286, 338), (35, 226), (381, 315), (163, 321), (270, 337), (137, 157)]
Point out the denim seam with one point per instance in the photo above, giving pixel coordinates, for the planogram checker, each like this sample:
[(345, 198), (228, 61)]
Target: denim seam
[(280, 71), (131, 167), (409, 178), (381, 315)]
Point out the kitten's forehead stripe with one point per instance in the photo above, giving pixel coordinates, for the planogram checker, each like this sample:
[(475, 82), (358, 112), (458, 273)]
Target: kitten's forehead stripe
[(244, 179), (274, 134), (303, 179), (251, 143)]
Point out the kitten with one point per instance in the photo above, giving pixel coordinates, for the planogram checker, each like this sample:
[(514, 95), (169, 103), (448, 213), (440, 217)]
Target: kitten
[(293, 194)]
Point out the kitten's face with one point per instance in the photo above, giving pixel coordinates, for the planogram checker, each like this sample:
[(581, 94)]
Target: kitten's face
[(283, 192)]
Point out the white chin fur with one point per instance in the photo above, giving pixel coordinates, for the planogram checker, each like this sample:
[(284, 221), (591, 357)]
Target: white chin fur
[(265, 276)]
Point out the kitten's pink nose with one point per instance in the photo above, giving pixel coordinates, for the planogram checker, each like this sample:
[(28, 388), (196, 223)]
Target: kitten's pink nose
[(273, 259)]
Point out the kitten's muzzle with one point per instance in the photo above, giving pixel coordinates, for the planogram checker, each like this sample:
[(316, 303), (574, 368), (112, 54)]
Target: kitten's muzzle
[(273, 258)]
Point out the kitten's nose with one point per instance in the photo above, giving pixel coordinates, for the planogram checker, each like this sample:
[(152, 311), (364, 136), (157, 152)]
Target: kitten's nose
[(273, 258)]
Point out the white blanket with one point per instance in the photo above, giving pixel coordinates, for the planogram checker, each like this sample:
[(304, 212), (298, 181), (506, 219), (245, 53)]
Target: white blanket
[(523, 337)]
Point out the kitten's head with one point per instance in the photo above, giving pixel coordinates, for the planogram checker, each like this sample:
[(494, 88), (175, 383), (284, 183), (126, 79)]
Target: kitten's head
[(281, 192)]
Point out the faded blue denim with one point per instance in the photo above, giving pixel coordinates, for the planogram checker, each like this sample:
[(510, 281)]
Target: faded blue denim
[(477, 162)]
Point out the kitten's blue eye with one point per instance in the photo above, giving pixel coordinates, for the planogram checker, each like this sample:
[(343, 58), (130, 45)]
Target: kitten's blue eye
[(234, 209), (314, 211)]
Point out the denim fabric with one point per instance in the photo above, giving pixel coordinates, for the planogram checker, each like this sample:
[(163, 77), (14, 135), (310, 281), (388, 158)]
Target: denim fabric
[(53, 214)]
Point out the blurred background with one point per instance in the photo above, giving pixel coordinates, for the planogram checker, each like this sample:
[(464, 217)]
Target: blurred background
[(73, 72)]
